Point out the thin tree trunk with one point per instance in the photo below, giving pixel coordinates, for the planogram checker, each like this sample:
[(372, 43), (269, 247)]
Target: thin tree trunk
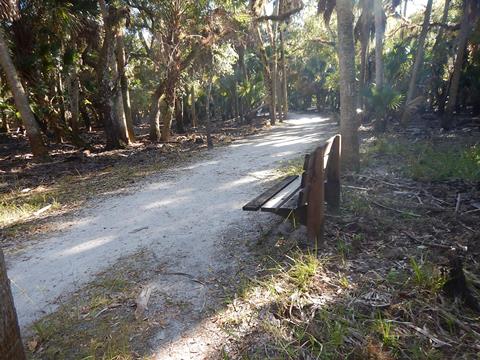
[(11, 346), (366, 20), (193, 107), (236, 100), (405, 5), (283, 65), (465, 29), (417, 67), (439, 58), (179, 116), (74, 103), (348, 87), (21, 101), (208, 120), (121, 63), (242, 72), (274, 60), (74, 93), (267, 75), (379, 32)]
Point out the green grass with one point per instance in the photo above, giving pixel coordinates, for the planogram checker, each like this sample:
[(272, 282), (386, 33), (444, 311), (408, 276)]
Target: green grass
[(426, 276), (432, 163), (427, 161), (292, 167), (387, 333), (303, 269)]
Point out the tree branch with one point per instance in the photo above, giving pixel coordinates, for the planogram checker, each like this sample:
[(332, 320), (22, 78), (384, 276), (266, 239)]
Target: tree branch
[(281, 17)]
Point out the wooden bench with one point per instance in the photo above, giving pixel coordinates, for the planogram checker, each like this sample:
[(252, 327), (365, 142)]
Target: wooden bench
[(302, 196)]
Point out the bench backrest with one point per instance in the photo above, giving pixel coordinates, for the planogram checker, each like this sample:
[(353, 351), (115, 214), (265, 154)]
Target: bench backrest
[(320, 182)]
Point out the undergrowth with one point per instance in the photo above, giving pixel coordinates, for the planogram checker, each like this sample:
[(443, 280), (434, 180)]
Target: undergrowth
[(427, 161), (98, 323)]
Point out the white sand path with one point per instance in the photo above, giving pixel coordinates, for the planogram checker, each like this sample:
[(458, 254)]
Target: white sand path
[(176, 213)]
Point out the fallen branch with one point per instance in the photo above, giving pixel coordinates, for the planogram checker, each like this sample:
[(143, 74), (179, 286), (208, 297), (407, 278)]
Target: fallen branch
[(421, 242), (42, 210), (396, 210)]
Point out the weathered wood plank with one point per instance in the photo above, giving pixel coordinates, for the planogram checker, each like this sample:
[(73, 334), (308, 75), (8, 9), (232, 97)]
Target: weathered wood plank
[(283, 195), (257, 203), (315, 196)]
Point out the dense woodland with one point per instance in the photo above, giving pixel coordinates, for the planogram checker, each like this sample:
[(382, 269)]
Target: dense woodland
[(70, 67), (94, 95)]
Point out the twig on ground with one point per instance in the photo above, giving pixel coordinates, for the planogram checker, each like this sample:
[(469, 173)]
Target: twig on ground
[(459, 201), (386, 182), (191, 277), (465, 226), (441, 246), (356, 187), (396, 210)]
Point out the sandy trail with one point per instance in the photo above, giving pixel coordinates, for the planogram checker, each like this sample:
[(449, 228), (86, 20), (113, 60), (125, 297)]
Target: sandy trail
[(177, 214)]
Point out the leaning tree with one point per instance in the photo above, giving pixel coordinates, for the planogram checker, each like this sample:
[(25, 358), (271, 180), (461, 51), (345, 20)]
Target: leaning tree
[(9, 12)]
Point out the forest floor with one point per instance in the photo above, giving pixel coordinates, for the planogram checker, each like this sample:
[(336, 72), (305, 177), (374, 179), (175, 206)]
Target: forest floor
[(385, 285)]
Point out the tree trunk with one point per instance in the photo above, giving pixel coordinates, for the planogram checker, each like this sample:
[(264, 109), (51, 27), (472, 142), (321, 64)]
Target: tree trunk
[(4, 128), (283, 65), (236, 100), (170, 107), (154, 118), (366, 20), (405, 5), (74, 103), (109, 96), (348, 87), (179, 116), (21, 101), (465, 29), (417, 67), (11, 346), (274, 61), (121, 125), (267, 75), (121, 64), (379, 32), (193, 107), (439, 58), (74, 100), (208, 124)]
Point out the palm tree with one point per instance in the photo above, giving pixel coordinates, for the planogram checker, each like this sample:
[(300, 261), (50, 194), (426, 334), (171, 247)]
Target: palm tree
[(348, 87), (9, 11)]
